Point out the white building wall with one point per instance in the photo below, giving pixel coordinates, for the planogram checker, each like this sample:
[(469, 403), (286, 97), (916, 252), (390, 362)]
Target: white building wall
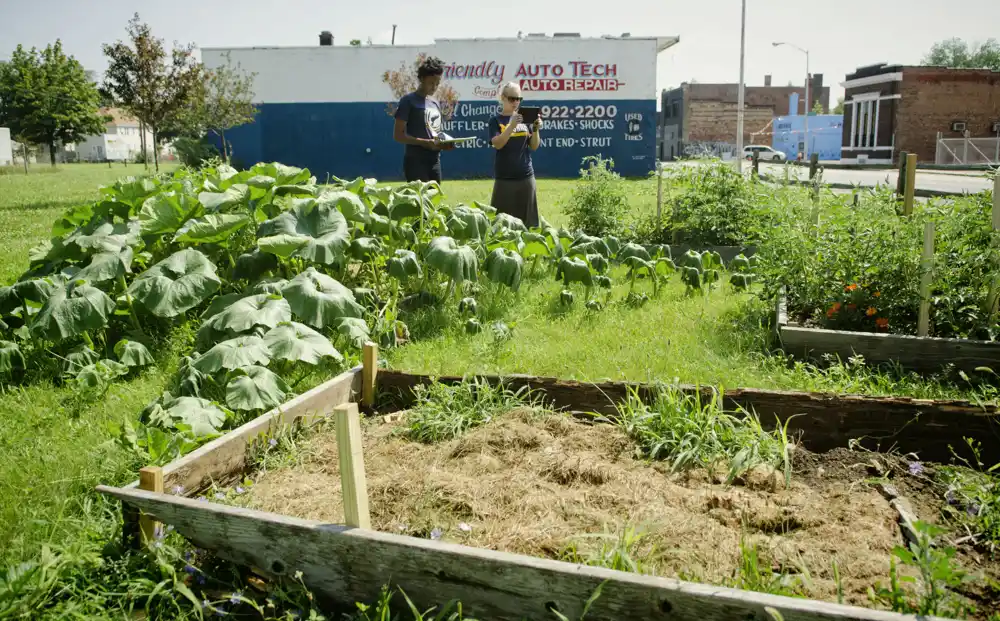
[(6, 151)]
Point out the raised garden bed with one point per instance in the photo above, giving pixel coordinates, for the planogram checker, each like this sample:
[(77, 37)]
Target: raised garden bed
[(558, 475), (924, 354)]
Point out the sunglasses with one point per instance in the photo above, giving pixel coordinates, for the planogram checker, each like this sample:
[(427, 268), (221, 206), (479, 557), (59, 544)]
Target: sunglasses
[(514, 98)]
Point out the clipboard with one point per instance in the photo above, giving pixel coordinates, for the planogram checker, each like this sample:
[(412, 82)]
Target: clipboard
[(450, 140)]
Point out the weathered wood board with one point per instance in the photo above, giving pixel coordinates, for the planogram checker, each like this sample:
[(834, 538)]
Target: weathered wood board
[(226, 456), (347, 565), (826, 421), (924, 354)]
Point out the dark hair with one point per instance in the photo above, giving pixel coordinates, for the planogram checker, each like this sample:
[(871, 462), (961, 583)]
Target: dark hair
[(430, 67)]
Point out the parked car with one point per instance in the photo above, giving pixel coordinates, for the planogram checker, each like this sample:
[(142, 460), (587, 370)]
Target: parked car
[(767, 154)]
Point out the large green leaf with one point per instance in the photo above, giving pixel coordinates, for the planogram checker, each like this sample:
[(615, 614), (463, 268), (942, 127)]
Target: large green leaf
[(466, 223), (633, 250), (104, 237), (202, 416), (71, 310), (241, 351), (79, 357), (363, 248), (282, 174), (504, 267), (311, 230), (107, 266), (354, 328), (509, 222), (211, 229), (176, 284), (319, 300), (10, 356), (347, 203), (242, 315), (458, 262), (298, 342), (534, 244), (270, 286), (255, 388), (35, 290), (94, 379), (586, 244), (167, 211), (235, 197), (572, 269), (131, 191), (404, 264), (133, 353)]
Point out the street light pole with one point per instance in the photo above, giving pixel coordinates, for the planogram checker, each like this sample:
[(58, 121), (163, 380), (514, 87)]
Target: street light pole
[(808, 103), (740, 91)]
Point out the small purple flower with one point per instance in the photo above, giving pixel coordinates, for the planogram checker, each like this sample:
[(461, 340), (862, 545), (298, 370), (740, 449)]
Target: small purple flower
[(239, 490), (949, 497), (158, 532), (235, 597), (202, 498), (465, 528), (972, 510), (220, 611), (272, 442), (220, 496), (177, 490), (200, 579), (188, 555), (436, 534), (916, 468), (190, 569), (205, 603)]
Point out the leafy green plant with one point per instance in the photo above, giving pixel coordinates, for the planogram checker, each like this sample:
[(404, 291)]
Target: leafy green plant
[(621, 550), (939, 575), (755, 573), (599, 201)]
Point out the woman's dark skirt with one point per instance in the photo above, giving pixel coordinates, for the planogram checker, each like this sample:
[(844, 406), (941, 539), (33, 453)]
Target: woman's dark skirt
[(517, 197)]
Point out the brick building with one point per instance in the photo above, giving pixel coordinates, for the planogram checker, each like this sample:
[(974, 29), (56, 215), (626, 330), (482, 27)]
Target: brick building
[(890, 109), (699, 118)]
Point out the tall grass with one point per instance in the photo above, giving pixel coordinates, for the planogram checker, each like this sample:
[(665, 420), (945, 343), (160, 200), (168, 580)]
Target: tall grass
[(688, 432), (443, 412)]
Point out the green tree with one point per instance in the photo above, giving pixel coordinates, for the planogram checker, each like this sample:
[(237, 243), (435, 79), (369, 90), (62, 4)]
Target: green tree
[(955, 52), (151, 85), (356, 42), (223, 100), (47, 98), (839, 108), (817, 107)]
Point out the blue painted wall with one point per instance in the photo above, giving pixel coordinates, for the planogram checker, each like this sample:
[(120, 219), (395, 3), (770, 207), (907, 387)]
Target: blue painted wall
[(825, 131), (354, 139)]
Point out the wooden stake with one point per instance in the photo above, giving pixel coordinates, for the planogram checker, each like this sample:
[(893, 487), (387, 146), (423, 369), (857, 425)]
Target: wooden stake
[(911, 182), (151, 480), (813, 165), (659, 194), (352, 466), (901, 178), (756, 164), (926, 273), (996, 202), (369, 374)]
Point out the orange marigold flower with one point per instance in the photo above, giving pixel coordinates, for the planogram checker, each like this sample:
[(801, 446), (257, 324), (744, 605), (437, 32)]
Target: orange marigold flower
[(882, 323), (877, 294), (850, 287), (871, 311)]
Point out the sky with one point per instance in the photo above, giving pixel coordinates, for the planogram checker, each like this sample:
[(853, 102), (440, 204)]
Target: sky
[(840, 35)]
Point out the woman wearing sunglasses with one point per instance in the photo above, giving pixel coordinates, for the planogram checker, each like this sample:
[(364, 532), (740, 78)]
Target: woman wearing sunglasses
[(514, 178)]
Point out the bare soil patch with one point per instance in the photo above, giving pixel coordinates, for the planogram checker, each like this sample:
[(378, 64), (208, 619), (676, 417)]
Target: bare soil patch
[(538, 485)]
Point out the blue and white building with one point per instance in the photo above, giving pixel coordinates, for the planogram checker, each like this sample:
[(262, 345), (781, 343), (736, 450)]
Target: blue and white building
[(825, 132), (328, 107)]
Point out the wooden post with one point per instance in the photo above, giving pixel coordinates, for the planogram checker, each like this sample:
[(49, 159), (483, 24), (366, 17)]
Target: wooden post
[(352, 466), (901, 179), (659, 194), (996, 202), (151, 480), (911, 182), (926, 273), (369, 373), (756, 164), (813, 165)]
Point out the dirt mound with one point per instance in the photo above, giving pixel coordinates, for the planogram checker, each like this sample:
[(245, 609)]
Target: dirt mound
[(538, 486)]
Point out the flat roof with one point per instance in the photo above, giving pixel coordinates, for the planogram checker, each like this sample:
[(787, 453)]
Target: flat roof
[(662, 43)]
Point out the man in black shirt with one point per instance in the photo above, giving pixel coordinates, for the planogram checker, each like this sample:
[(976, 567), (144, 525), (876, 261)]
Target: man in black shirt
[(418, 125)]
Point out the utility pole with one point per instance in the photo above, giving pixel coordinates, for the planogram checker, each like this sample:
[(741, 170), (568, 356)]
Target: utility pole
[(740, 95), (394, 34)]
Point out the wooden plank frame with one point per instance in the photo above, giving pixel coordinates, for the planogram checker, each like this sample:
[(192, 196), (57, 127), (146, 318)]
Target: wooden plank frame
[(343, 564), (924, 354), (226, 456)]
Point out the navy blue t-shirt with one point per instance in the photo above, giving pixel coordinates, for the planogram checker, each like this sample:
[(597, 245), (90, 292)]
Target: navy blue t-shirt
[(513, 161), (423, 120)]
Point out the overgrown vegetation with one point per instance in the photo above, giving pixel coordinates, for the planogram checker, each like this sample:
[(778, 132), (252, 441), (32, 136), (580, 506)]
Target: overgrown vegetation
[(688, 431), (599, 202)]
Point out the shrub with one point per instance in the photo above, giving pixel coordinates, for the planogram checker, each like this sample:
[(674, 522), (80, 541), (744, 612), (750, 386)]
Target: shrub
[(193, 152), (599, 200)]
